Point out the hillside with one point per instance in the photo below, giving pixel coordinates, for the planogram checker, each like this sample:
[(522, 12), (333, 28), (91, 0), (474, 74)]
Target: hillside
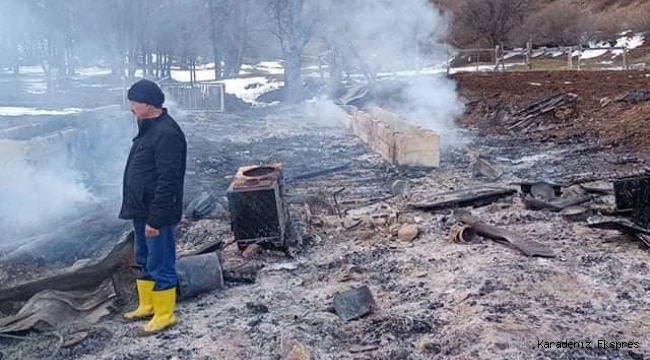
[(546, 22)]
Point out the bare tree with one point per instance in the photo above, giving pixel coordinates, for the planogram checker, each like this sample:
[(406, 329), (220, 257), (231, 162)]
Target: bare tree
[(229, 21), (295, 21), (557, 24), (490, 21)]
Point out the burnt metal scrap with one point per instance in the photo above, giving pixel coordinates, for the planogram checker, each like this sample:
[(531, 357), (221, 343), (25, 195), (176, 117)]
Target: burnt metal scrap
[(555, 205), (201, 206), (73, 279), (257, 210), (632, 193), (516, 241), (51, 309), (634, 96), (624, 226), (354, 303)]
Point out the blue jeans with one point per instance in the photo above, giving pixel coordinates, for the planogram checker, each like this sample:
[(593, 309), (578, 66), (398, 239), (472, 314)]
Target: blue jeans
[(156, 256)]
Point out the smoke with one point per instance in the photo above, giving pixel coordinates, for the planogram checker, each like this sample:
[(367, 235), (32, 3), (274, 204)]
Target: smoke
[(58, 176), (34, 198), (388, 37), (432, 102)]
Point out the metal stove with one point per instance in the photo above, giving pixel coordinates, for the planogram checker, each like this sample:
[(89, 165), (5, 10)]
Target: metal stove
[(257, 210)]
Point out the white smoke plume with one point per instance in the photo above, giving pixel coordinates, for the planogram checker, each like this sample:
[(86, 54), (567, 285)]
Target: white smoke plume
[(398, 37), (62, 175)]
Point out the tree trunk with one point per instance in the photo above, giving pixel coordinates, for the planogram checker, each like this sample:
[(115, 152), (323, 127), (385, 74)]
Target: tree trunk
[(216, 28), (192, 71), (117, 65), (149, 61), (292, 75), (242, 36), (168, 65), (132, 65), (71, 67)]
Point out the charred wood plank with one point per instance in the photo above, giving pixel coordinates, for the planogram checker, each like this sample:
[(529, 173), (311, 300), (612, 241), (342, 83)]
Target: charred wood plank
[(556, 206), (526, 247), (619, 224), (463, 198), (319, 173)]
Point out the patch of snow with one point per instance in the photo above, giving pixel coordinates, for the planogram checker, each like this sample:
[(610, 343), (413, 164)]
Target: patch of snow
[(270, 64), (629, 42), (209, 65), (539, 52), (184, 75), (35, 86), (407, 73), (606, 62), (535, 83), (92, 85), (93, 71), (568, 83), (25, 111), (513, 53), (31, 70), (591, 54), (249, 89), (270, 67), (482, 68)]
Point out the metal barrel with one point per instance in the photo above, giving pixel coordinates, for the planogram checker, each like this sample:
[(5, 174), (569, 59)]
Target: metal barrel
[(198, 274)]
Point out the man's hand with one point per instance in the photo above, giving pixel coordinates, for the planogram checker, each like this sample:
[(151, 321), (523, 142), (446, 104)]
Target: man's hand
[(151, 232)]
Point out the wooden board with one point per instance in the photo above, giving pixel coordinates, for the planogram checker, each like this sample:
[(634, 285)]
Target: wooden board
[(463, 198)]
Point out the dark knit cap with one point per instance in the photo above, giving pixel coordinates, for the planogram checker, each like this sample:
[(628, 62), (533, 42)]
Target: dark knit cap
[(147, 92)]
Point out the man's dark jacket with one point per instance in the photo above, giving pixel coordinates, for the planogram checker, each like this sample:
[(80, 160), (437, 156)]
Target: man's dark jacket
[(155, 173)]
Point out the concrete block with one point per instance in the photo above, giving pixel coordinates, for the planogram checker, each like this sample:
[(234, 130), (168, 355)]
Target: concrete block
[(395, 139)]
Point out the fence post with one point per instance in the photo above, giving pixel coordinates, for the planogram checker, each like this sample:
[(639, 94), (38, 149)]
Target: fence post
[(448, 61), (124, 103), (529, 53), (320, 68), (625, 58), (570, 52), (579, 57), (496, 58)]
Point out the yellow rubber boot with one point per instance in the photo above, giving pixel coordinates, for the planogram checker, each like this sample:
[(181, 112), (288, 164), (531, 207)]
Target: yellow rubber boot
[(164, 303), (145, 304)]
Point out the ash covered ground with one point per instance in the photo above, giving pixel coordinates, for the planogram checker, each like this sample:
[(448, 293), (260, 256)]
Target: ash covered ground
[(435, 299)]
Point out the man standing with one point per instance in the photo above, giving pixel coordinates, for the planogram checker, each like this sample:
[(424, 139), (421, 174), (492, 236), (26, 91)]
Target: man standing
[(153, 199)]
